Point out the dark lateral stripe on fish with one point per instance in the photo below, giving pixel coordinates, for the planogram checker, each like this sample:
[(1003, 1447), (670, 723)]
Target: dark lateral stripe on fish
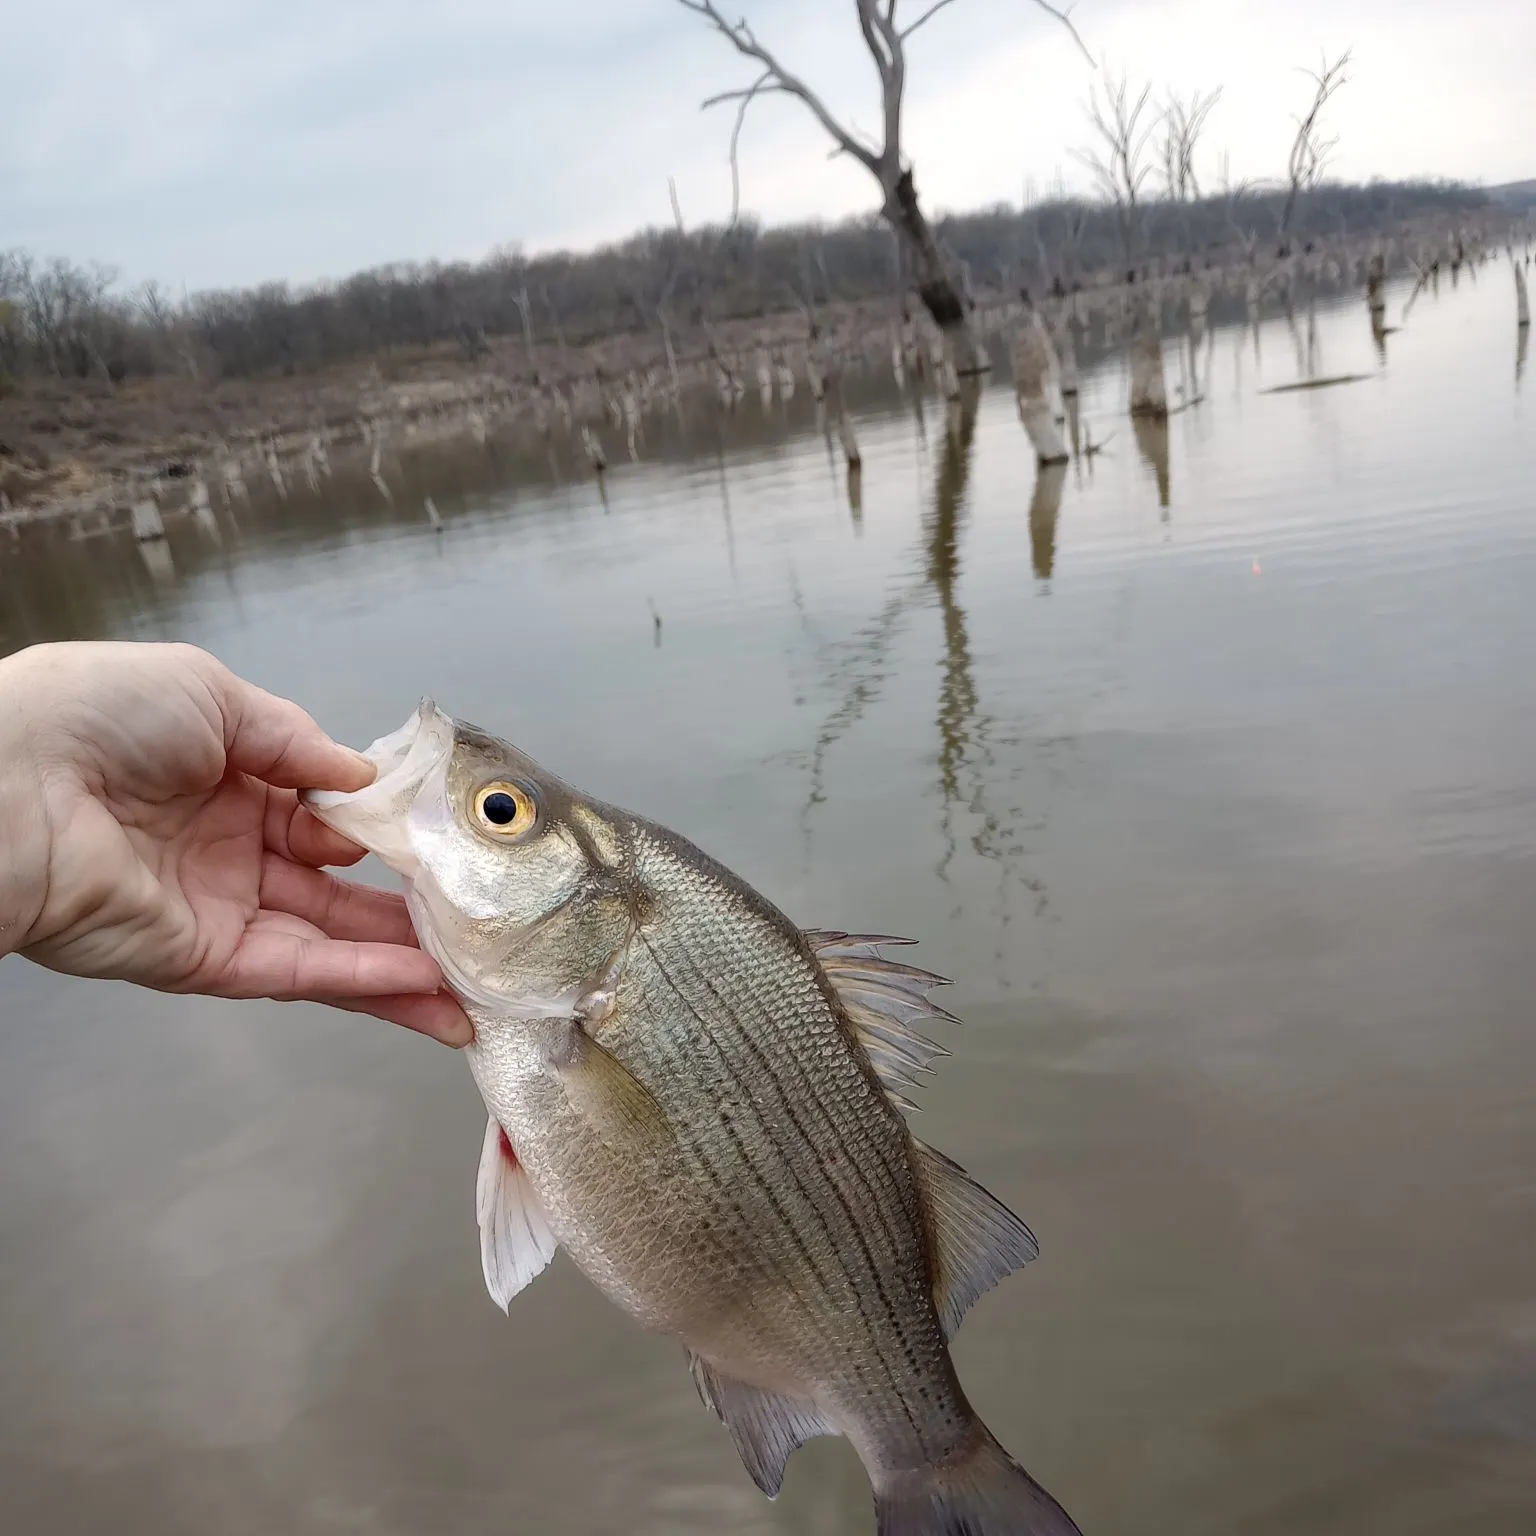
[(901, 1184), (789, 1103), (894, 1318), (791, 1173), (812, 1317), (830, 1292), (886, 1153), (890, 1154), (713, 1173)]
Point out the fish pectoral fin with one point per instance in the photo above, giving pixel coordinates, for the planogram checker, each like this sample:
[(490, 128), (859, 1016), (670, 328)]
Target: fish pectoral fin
[(768, 1428), (977, 1240), (600, 1088), (515, 1241)]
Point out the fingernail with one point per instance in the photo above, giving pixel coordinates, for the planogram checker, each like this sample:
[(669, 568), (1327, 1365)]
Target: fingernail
[(366, 767)]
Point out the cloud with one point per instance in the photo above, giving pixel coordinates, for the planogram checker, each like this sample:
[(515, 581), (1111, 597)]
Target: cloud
[(222, 145)]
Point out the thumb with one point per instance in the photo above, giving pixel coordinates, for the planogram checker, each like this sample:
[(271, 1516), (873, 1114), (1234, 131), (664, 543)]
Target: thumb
[(272, 739)]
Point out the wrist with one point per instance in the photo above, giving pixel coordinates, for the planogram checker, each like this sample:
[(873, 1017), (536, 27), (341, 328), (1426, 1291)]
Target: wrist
[(24, 839)]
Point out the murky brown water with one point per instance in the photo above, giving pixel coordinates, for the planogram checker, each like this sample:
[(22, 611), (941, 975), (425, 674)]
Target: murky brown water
[(1223, 812)]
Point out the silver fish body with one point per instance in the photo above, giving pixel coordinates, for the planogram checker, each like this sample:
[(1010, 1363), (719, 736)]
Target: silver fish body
[(699, 1103)]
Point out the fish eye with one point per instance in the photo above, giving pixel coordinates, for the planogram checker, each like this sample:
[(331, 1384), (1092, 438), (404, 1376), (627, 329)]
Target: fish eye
[(504, 810)]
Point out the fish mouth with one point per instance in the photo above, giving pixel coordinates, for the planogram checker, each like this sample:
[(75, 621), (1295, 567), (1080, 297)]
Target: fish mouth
[(377, 817)]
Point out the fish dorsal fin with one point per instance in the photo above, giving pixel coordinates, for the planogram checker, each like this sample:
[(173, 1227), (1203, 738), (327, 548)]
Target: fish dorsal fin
[(882, 1000), (977, 1240), (515, 1241), (767, 1428), (827, 941)]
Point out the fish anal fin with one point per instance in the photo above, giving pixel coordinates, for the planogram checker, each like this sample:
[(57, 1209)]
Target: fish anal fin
[(515, 1241), (767, 1427), (977, 1240)]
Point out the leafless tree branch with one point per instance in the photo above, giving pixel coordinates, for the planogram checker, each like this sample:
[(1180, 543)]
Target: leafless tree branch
[(1309, 152), (745, 42), (1118, 162), (763, 85), (746, 93), (928, 15), (882, 37), (1183, 123), (1063, 15)]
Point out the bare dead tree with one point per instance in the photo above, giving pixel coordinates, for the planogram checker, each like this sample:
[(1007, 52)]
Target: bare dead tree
[(165, 324), (1183, 123), (1118, 159), (13, 329), (664, 299), (937, 284), (1232, 193), (511, 268), (525, 312), (67, 311), (702, 252), (154, 305), (1310, 151), (559, 330)]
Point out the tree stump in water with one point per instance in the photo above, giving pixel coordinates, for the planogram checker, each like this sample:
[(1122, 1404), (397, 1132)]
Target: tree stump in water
[(1149, 388), (1036, 379)]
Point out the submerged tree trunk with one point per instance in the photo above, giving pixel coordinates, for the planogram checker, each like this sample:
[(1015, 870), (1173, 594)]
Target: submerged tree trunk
[(1199, 302), (1036, 379), (845, 434), (1522, 302), (937, 284), (1375, 287), (1066, 353), (1149, 390), (147, 521)]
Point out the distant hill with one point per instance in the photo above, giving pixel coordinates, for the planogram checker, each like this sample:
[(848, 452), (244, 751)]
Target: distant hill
[(1514, 194)]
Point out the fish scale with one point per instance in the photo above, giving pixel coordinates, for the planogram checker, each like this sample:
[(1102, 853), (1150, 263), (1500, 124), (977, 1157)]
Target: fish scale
[(810, 1062), (792, 1186), (855, 1226)]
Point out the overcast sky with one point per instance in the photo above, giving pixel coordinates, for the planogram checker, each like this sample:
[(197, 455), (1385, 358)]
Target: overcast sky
[(213, 144)]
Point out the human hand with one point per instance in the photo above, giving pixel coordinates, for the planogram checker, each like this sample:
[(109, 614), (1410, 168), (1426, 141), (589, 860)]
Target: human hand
[(151, 832)]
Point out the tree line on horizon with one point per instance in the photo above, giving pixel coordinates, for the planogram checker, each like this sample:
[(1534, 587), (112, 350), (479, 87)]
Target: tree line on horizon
[(64, 320)]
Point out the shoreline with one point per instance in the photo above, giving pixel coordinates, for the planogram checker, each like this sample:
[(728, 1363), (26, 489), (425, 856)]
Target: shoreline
[(89, 451)]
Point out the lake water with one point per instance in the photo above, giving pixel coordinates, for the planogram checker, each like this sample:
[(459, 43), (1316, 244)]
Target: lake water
[(1215, 789)]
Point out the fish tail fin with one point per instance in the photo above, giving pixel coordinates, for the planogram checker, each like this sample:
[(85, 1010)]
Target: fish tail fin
[(981, 1492)]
